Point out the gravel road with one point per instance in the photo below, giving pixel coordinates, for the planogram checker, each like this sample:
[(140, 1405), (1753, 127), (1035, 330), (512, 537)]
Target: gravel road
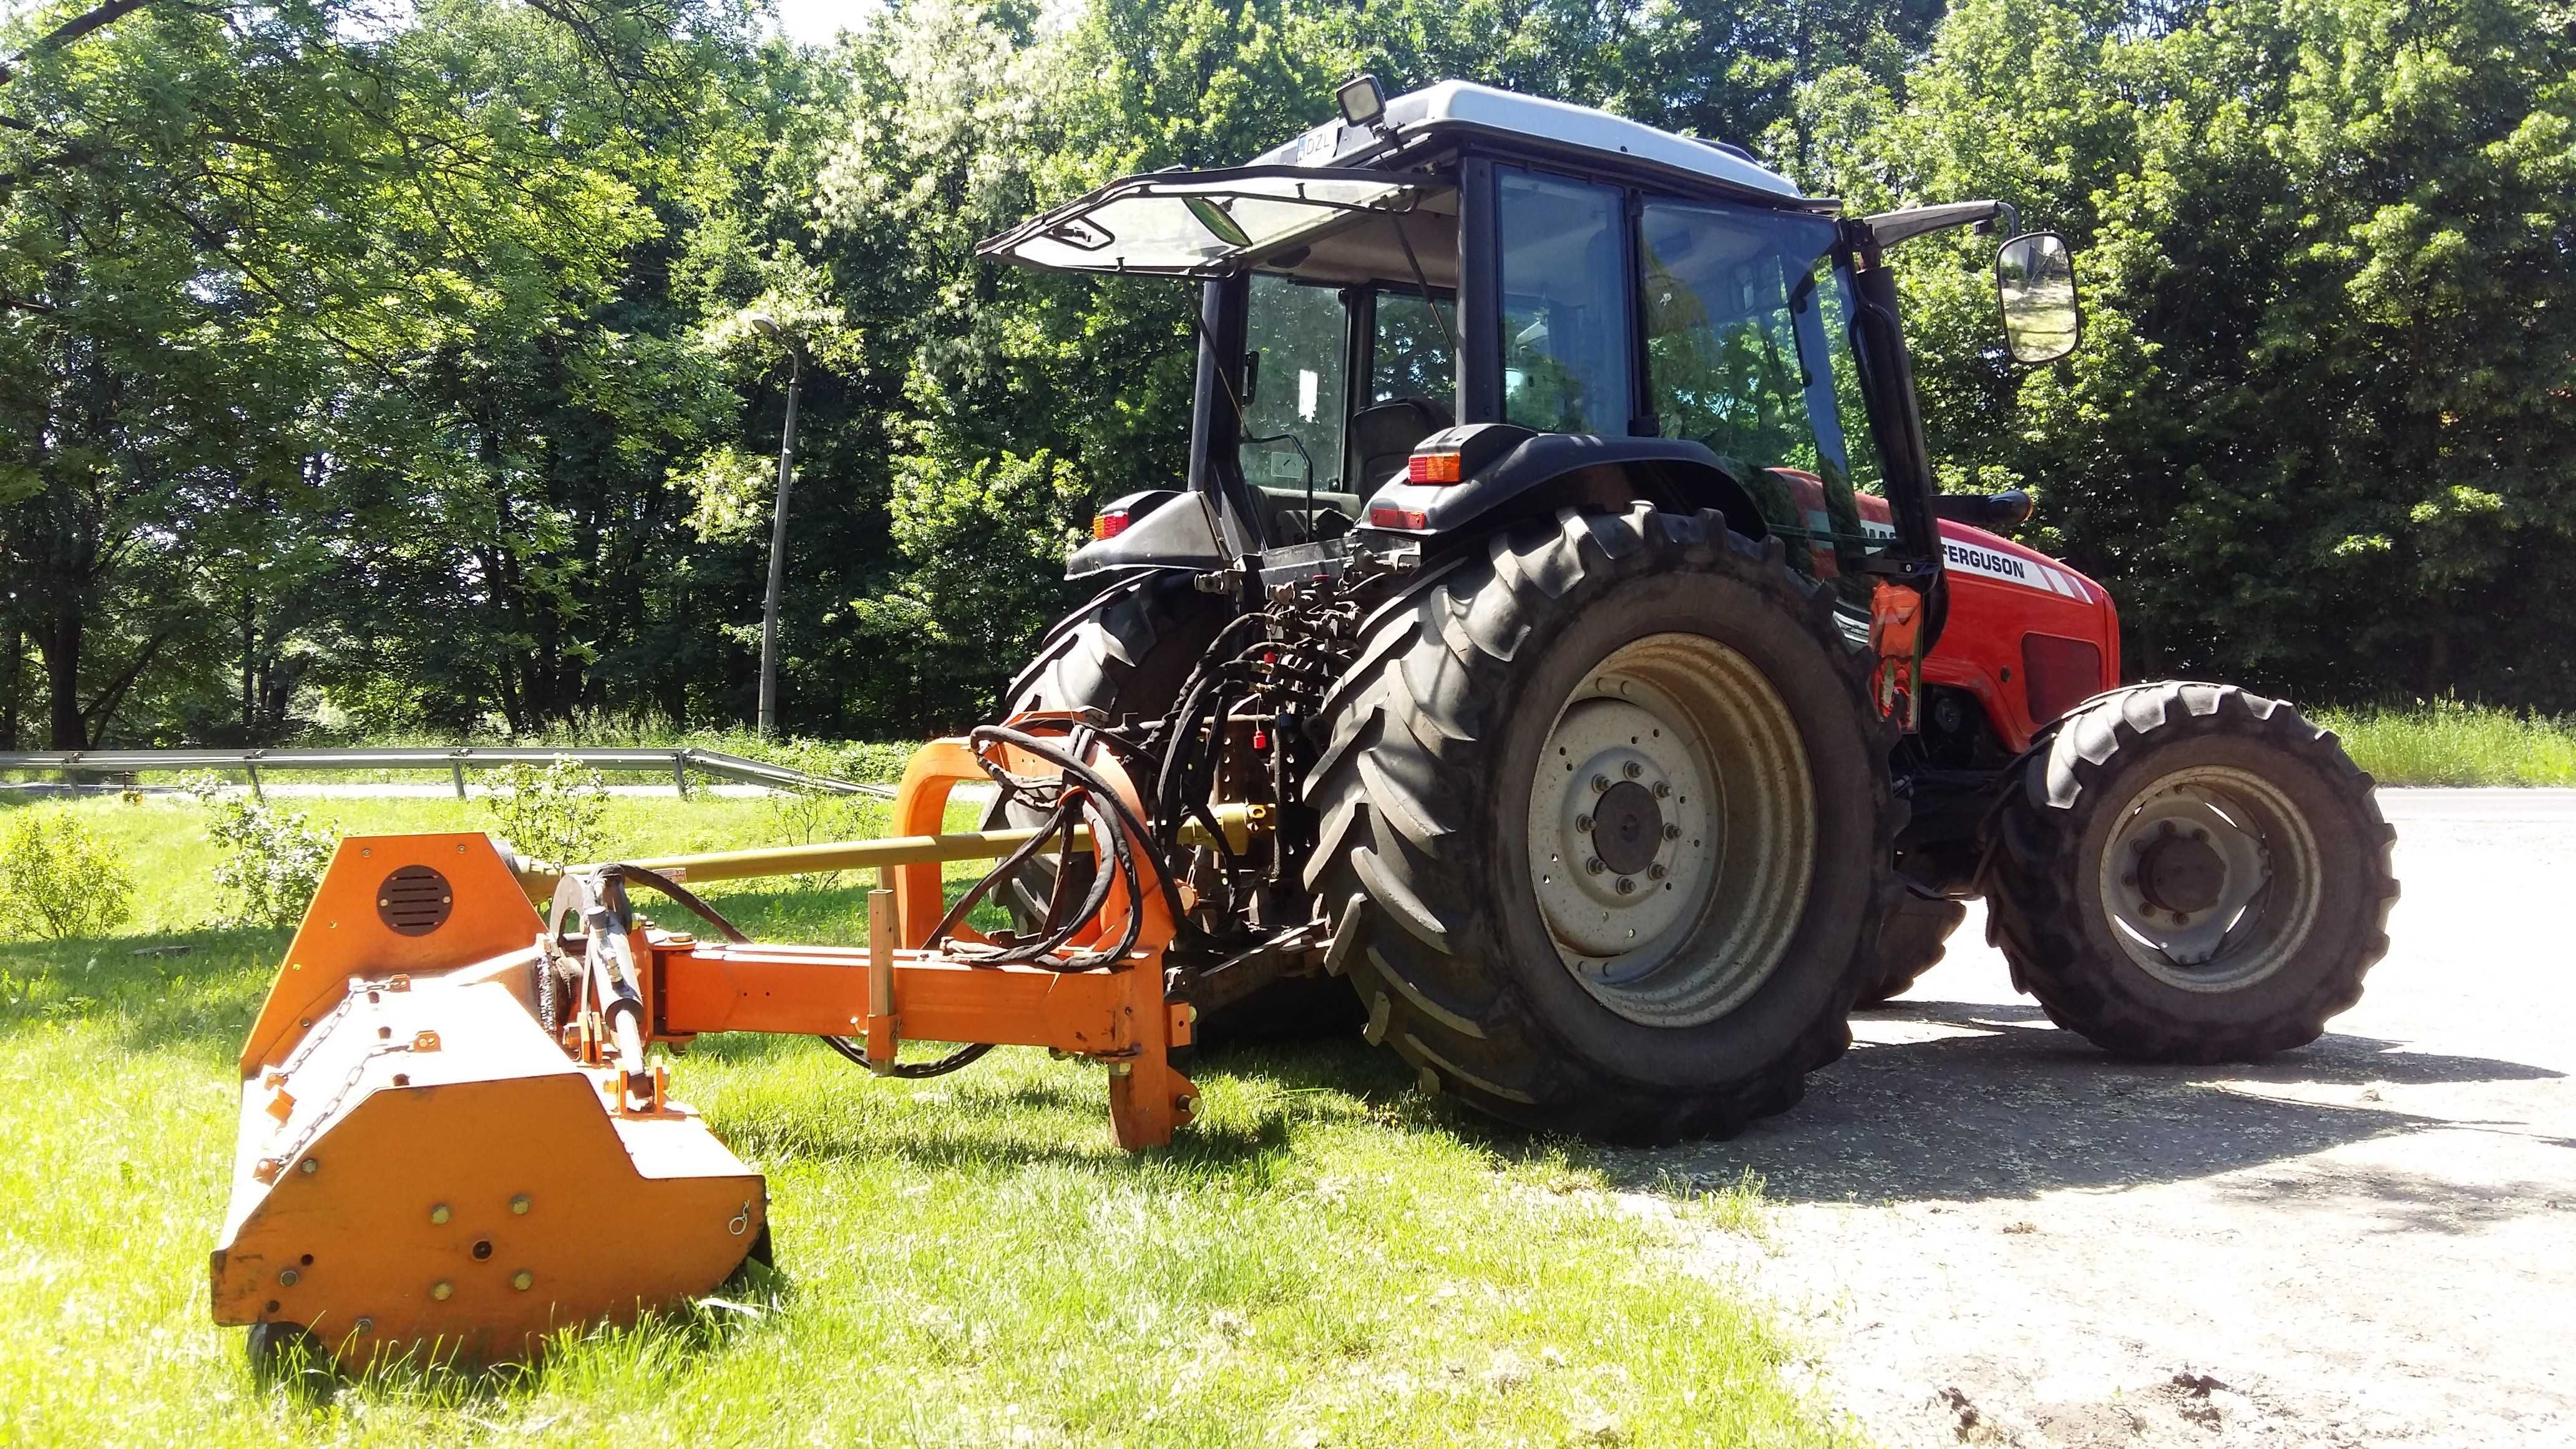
[(1982, 1230)]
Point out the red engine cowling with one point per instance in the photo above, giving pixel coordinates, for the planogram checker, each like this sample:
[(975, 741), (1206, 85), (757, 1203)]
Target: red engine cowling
[(2028, 636)]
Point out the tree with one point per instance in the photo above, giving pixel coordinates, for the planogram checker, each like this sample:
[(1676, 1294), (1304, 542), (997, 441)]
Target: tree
[(2317, 435)]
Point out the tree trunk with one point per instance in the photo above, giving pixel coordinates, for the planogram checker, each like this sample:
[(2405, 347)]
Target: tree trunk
[(249, 683), (13, 677), (61, 645)]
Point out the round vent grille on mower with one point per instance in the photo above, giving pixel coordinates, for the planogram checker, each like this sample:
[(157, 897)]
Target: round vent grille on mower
[(414, 901)]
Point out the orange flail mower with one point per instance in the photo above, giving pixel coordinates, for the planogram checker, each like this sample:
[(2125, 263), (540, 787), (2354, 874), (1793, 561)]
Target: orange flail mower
[(453, 1141)]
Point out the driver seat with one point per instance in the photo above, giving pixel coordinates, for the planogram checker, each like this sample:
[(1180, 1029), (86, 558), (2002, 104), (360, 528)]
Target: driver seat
[(1384, 435)]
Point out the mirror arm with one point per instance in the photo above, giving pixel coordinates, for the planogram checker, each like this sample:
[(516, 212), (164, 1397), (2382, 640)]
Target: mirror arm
[(1891, 227)]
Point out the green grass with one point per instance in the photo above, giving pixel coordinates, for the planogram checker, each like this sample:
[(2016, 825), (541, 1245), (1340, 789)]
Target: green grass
[(879, 761), (1326, 1258), (2454, 744)]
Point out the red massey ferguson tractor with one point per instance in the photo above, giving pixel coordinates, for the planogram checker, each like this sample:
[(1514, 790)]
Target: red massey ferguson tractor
[(1560, 560)]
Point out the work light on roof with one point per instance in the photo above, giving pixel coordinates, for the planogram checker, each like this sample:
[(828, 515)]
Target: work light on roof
[(1363, 103)]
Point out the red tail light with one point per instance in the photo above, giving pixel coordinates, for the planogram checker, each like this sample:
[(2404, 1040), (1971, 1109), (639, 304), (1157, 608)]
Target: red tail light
[(1431, 468), (1382, 517), (1109, 524)]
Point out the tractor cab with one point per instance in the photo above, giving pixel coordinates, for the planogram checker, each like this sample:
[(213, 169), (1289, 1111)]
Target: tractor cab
[(1542, 301)]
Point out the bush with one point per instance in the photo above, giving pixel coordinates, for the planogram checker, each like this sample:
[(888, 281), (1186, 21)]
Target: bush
[(58, 879), (805, 817), (558, 814), (272, 859)]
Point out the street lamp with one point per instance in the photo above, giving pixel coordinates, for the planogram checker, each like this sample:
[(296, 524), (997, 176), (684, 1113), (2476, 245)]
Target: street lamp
[(768, 327)]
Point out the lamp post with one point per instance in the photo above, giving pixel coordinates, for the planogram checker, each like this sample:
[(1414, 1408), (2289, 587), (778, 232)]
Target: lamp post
[(768, 327)]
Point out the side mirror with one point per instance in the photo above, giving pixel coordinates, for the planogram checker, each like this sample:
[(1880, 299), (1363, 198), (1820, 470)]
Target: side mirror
[(2035, 281)]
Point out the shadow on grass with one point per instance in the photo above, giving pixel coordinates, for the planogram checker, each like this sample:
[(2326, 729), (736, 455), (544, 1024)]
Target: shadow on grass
[(1264, 1096), (431, 1378)]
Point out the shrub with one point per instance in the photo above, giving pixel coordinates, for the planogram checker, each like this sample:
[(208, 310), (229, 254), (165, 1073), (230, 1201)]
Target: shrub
[(58, 879), (803, 817), (272, 859), (559, 813)]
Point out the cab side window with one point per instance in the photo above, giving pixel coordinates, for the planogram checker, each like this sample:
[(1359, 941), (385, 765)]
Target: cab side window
[(1565, 304)]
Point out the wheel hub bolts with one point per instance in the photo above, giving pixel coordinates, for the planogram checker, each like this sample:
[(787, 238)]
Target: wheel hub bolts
[(1632, 769), (1593, 865), (1583, 823), (1663, 789), (1627, 886), (1672, 832), (1600, 783), (1658, 871)]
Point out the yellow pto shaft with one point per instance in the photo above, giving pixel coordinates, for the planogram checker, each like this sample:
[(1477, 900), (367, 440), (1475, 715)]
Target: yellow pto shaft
[(1238, 821)]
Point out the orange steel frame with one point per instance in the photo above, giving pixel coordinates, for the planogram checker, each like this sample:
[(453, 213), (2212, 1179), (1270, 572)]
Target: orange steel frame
[(456, 1179), (887, 993)]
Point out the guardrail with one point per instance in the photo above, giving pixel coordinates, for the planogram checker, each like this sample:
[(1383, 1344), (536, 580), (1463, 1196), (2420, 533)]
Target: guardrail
[(456, 760)]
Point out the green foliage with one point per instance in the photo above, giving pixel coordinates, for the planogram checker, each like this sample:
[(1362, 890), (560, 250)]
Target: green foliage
[(812, 817), (2451, 743), (557, 813), (59, 879), (334, 393), (272, 859), (2317, 435)]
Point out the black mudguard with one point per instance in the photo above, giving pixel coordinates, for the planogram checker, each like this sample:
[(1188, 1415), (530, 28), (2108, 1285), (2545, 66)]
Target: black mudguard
[(1166, 528), (1502, 464)]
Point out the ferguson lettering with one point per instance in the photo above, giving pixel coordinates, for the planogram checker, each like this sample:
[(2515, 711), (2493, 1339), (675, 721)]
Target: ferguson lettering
[(1986, 561)]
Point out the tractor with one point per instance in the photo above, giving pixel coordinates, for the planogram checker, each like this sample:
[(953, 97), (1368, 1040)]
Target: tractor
[(1560, 547), (1557, 662)]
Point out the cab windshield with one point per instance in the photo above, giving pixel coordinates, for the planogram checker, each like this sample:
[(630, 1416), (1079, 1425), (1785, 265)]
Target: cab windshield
[(1748, 339), (1744, 317)]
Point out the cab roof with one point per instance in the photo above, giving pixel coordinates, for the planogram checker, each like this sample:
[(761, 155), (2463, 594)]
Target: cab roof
[(1456, 105), (1208, 223)]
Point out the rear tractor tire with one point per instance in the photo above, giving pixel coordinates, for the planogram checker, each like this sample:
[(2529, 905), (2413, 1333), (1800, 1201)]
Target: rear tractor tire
[(2189, 873), (1605, 828), (1126, 652)]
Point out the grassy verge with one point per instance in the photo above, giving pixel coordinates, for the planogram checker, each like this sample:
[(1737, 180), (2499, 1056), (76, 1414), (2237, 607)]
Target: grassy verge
[(1327, 1258), (2443, 744), (2456, 745), (875, 761)]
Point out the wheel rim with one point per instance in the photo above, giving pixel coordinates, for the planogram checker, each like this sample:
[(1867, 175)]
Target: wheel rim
[(1672, 830), (2210, 879)]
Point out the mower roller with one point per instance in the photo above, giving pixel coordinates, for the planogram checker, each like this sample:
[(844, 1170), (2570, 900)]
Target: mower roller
[(1558, 664)]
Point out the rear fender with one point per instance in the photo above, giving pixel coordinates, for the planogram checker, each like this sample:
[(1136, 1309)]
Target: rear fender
[(1512, 473), (1166, 528)]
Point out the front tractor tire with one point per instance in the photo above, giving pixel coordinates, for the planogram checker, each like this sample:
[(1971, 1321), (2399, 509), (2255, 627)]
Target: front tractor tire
[(1605, 828), (2189, 873)]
